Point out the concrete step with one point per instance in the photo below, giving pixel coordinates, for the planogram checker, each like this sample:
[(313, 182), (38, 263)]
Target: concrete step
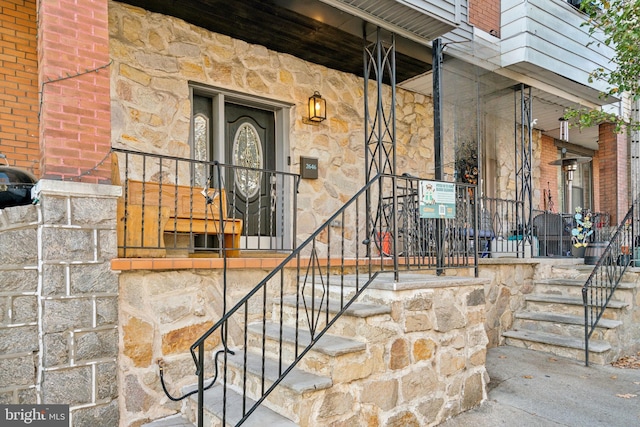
[(330, 356), (214, 403), (559, 345), (295, 394), (177, 420)]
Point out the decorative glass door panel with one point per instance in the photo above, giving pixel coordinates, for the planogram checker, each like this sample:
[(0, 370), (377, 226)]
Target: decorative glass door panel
[(250, 147)]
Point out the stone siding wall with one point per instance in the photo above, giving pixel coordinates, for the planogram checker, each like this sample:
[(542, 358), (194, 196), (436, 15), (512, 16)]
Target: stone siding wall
[(500, 160), (59, 302), (155, 57)]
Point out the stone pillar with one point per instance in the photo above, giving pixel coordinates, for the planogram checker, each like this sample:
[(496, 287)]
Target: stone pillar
[(613, 170), (75, 296), (75, 113)]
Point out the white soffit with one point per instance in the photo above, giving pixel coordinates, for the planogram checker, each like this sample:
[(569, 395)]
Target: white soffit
[(412, 19)]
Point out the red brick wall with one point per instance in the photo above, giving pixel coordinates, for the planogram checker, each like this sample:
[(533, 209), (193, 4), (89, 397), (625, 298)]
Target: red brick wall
[(485, 14), (19, 84), (549, 174), (612, 165), (75, 121)]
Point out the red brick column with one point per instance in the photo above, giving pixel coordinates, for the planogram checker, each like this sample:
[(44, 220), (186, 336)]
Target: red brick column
[(612, 158), (75, 114), (549, 174), (485, 14), (19, 84)]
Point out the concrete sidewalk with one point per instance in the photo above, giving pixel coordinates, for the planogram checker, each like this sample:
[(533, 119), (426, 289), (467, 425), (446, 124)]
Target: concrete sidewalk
[(530, 388)]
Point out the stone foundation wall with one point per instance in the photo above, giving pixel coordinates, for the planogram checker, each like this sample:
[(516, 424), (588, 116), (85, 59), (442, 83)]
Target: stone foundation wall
[(424, 361), (59, 299), (508, 284), (432, 354), (161, 314)]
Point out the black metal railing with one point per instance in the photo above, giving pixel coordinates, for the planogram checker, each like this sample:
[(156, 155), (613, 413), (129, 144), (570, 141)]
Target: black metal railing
[(502, 230), (607, 274), (407, 226), (173, 204), (312, 280)]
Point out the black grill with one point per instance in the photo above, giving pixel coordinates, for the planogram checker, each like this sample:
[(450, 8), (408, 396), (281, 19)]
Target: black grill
[(15, 187)]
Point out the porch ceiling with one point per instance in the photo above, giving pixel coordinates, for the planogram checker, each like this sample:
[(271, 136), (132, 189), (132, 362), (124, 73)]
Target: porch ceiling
[(312, 30)]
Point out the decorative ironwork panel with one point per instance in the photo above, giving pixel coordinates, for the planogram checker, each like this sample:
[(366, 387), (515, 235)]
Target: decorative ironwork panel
[(523, 155), (380, 114)]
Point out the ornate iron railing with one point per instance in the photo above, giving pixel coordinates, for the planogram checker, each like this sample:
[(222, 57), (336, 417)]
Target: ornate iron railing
[(606, 275), (313, 278), (172, 204)]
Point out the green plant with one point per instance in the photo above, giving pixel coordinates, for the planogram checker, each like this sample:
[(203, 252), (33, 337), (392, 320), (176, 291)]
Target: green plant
[(583, 228)]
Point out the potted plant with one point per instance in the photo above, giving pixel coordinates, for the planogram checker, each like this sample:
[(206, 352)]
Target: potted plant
[(581, 232)]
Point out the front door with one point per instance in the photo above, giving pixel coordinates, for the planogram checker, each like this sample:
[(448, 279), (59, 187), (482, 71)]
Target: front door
[(250, 147)]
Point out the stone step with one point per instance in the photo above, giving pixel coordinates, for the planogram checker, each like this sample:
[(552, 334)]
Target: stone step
[(595, 346), (567, 305), (357, 309), (567, 325), (330, 356), (296, 380), (583, 271), (576, 283), (213, 408), (296, 394), (406, 281), (177, 420), (352, 323), (564, 318), (330, 345), (559, 345)]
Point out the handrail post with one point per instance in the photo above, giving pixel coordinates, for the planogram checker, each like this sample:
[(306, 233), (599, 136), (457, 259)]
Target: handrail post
[(586, 325), (201, 385), (394, 225)]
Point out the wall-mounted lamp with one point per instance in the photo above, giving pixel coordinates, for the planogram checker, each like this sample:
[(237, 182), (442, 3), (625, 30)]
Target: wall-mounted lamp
[(317, 108)]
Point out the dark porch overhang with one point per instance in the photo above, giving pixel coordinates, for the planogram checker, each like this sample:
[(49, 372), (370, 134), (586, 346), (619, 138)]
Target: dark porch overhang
[(316, 31)]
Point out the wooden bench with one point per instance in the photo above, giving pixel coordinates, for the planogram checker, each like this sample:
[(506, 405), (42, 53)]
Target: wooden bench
[(153, 209)]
